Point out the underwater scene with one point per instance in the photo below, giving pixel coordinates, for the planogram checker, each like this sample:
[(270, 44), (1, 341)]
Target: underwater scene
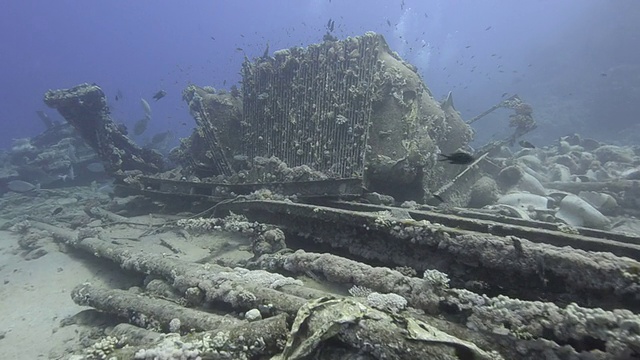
[(322, 179)]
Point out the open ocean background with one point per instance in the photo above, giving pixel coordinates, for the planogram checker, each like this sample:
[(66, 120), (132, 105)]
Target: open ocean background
[(576, 61)]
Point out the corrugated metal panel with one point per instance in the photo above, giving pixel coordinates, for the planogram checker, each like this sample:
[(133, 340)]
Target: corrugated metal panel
[(312, 106)]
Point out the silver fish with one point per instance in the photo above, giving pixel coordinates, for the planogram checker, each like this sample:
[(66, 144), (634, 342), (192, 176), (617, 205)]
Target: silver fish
[(20, 186), (146, 107), (96, 167)]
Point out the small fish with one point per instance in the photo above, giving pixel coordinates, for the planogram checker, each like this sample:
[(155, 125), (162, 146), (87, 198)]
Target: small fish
[(388, 22), (525, 144), (504, 94), (603, 74), (438, 197), (239, 49), (159, 95), (458, 158), (212, 38), (118, 95), (488, 28), (468, 46), (57, 211)]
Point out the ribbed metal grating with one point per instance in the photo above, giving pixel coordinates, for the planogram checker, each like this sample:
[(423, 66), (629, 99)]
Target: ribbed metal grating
[(312, 106)]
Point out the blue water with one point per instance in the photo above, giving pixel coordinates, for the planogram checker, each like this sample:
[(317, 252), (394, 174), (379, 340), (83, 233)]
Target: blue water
[(577, 61)]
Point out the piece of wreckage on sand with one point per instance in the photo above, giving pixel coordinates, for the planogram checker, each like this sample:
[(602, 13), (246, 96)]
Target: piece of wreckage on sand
[(318, 148)]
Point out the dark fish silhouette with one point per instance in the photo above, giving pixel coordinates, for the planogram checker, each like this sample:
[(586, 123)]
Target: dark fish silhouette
[(330, 25), (525, 144), (458, 158), (160, 137), (57, 211), (159, 95), (140, 126)]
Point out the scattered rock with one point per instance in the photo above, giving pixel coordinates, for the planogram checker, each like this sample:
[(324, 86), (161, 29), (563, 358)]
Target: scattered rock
[(253, 315), (483, 192), (614, 153), (35, 254)]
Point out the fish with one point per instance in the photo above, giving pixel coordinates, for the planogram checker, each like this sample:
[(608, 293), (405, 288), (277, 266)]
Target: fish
[(525, 144), (146, 107), (20, 186), (118, 95), (436, 196), (160, 137), (140, 126), (57, 211), (35, 174), (331, 25), (159, 95), (388, 22), (458, 158), (504, 94), (96, 167), (488, 28)]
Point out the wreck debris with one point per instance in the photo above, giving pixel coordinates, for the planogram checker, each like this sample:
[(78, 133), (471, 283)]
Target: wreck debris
[(362, 327), (332, 120), (85, 108), (147, 312), (449, 244), (341, 111), (518, 327)]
